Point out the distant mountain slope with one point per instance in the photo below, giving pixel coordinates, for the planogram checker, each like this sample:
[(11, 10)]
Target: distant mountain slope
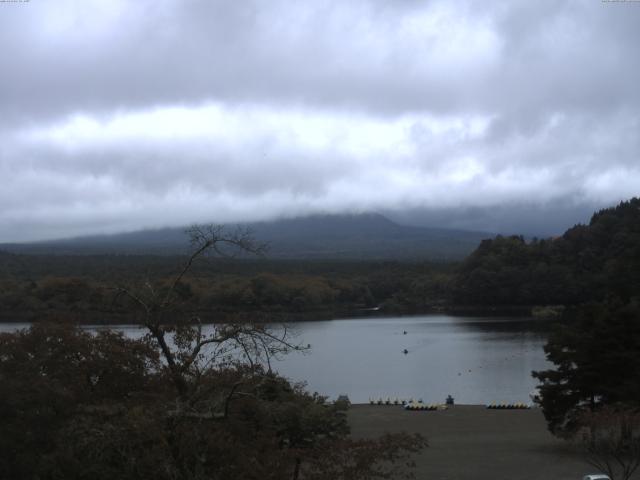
[(362, 236)]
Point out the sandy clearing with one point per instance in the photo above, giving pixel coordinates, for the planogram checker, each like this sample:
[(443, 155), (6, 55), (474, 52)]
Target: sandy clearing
[(472, 442)]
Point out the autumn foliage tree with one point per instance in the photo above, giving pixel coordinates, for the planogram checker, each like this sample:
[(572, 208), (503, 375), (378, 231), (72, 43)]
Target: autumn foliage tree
[(610, 438), (53, 378)]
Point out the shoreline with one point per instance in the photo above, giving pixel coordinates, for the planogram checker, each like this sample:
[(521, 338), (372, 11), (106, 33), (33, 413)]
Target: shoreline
[(117, 318)]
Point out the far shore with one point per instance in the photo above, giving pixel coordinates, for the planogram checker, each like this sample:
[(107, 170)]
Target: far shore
[(475, 443), (126, 318)]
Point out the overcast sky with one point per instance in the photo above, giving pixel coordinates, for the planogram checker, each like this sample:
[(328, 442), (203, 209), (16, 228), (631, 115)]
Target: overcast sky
[(116, 115)]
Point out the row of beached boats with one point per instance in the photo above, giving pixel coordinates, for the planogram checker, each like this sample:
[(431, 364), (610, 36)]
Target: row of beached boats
[(509, 406), (424, 406), (395, 401), (412, 404)]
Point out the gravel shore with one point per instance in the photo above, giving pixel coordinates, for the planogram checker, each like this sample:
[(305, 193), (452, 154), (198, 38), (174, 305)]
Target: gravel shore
[(472, 442)]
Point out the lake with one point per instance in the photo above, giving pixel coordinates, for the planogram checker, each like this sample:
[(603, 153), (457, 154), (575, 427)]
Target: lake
[(477, 360)]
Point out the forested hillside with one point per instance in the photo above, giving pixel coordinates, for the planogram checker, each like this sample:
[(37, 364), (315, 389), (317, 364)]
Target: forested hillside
[(587, 263)]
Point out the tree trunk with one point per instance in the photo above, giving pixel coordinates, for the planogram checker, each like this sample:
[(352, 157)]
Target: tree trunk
[(176, 374)]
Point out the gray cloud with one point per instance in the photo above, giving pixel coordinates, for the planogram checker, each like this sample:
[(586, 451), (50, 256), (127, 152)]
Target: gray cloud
[(115, 115)]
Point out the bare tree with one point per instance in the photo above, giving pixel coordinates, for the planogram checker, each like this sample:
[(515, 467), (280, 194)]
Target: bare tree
[(186, 347), (610, 438)]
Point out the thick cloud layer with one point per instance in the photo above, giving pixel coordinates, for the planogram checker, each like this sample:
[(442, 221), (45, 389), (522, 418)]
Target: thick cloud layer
[(119, 115)]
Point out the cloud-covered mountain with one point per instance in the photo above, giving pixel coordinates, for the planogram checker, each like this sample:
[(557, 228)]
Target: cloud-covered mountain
[(118, 115), (363, 236)]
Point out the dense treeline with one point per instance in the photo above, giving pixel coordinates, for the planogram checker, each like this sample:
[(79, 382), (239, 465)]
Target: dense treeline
[(591, 395), (589, 262), (82, 287)]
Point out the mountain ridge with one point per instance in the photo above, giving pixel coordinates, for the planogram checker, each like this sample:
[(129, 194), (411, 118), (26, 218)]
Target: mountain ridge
[(348, 236)]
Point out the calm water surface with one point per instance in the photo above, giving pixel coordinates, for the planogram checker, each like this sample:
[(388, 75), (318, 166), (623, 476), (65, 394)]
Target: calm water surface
[(476, 360)]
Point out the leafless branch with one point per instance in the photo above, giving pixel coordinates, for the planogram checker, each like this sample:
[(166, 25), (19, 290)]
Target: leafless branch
[(126, 292), (182, 344)]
